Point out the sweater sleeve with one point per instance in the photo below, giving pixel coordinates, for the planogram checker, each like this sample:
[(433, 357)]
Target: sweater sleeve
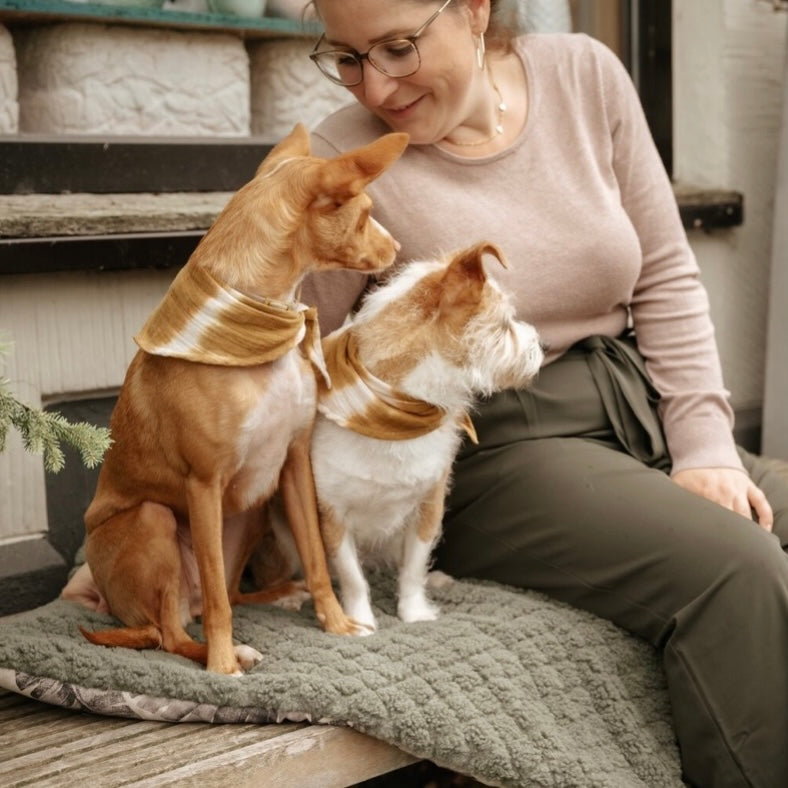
[(670, 307)]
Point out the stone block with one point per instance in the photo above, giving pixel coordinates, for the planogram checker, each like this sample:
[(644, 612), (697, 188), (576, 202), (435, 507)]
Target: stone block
[(9, 106), (287, 88), (77, 78)]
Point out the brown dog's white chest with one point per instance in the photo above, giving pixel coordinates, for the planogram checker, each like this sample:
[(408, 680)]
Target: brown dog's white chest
[(282, 403)]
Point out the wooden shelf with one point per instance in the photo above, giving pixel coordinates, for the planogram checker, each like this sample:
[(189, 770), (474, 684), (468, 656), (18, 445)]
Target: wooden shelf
[(115, 203), (37, 11), (706, 209), (112, 164), (47, 233)]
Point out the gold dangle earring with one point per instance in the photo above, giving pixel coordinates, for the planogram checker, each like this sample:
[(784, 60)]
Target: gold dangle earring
[(480, 49)]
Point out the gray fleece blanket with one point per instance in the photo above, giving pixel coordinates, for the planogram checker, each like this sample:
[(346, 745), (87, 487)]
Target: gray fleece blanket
[(509, 687)]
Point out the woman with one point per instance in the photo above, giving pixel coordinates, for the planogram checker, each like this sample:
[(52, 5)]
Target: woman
[(614, 483)]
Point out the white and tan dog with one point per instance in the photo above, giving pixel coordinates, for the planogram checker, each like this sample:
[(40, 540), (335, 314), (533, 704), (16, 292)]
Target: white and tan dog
[(217, 408), (405, 372)]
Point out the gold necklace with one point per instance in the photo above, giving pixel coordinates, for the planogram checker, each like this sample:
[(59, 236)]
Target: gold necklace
[(500, 109)]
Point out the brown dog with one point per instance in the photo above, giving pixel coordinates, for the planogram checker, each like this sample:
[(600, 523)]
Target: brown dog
[(217, 409)]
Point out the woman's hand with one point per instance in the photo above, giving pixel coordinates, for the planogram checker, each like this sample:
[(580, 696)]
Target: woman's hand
[(730, 488)]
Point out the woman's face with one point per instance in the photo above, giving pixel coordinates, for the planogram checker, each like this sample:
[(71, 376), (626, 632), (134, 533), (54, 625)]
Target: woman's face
[(445, 90)]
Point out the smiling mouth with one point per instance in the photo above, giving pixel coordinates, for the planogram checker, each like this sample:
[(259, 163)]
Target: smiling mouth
[(403, 108)]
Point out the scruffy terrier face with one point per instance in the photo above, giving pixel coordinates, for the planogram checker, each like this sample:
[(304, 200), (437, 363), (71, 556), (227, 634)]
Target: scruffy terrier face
[(452, 323)]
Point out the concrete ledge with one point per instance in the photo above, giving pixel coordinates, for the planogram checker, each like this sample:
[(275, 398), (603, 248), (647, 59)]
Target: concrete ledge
[(39, 215)]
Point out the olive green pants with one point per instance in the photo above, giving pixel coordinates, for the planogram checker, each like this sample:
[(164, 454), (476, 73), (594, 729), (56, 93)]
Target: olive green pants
[(567, 492)]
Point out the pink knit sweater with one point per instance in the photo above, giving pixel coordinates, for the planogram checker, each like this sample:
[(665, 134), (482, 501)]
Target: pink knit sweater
[(583, 209)]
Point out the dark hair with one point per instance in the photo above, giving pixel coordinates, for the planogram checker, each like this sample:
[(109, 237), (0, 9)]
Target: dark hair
[(504, 24)]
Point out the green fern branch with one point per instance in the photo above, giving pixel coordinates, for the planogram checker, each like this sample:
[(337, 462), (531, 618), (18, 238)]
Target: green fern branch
[(44, 432)]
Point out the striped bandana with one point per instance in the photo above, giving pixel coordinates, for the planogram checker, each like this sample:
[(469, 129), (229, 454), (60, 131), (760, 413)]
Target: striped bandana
[(360, 402), (199, 319)]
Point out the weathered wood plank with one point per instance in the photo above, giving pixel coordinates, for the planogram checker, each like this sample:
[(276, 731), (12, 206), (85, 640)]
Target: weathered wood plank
[(311, 757), (49, 746)]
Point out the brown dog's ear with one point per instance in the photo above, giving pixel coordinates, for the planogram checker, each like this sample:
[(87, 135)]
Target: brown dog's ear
[(465, 276), (378, 156), (296, 143), (349, 174)]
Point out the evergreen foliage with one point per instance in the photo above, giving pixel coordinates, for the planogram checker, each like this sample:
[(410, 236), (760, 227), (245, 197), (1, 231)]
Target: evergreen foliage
[(45, 432)]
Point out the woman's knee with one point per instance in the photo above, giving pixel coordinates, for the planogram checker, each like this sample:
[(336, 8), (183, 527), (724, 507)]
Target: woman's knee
[(742, 586), (759, 561)]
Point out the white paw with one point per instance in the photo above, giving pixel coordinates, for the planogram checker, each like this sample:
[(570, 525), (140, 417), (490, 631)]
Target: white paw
[(438, 579), (362, 614), (247, 656), (416, 609), (364, 630)]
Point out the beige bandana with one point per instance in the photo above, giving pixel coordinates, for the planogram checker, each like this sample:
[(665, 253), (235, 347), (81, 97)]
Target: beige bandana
[(359, 401), (202, 320)]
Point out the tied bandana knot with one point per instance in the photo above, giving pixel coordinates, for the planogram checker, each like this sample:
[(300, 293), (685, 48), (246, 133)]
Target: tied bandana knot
[(200, 319), (361, 402)]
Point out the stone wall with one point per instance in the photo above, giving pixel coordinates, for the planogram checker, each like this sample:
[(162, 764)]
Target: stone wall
[(282, 76), (9, 107), (77, 78), (100, 79)]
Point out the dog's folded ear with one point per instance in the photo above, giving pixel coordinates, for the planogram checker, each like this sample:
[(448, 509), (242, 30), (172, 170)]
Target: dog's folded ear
[(473, 254), (465, 276), (350, 173)]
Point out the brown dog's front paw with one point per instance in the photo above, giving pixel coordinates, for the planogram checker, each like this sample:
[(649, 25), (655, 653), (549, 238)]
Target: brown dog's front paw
[(225, 668), (333, 619), (223, 660)]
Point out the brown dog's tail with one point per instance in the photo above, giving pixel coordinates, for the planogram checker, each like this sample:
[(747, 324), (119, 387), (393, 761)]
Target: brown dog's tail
[(149, 636), (126, 637)]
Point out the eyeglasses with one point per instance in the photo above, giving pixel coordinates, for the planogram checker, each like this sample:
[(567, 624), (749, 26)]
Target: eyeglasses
[(394, 57)]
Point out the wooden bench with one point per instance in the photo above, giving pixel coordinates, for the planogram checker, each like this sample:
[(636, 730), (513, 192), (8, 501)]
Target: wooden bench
[(45, 745)]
